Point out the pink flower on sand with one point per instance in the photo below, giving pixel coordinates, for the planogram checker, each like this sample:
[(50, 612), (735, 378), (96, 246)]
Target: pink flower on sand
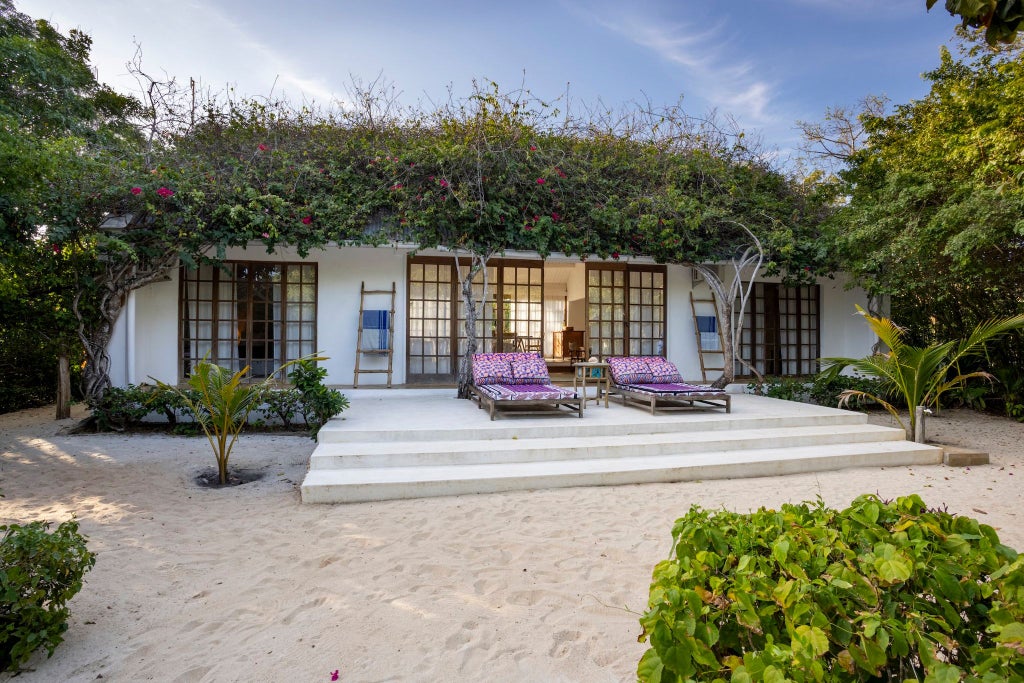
[(541, 181), (334, 675), (306, 220), (136, 191), (165, 192), (261, 147)]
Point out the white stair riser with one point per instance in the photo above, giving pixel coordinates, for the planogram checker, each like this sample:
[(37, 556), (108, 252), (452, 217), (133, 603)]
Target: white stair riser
[(540, 450), (363, 492), (338, 432)]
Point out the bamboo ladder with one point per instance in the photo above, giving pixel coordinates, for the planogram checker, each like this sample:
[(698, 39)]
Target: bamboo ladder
[(701, 351), (388, 352)]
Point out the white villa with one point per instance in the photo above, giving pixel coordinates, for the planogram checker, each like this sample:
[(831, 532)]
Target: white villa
[(265, 309)]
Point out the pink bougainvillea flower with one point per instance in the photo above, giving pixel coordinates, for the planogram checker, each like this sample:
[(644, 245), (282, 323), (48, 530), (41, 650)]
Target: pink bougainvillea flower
[(136, 190), (560, 173), (533, 148), (56, 249), (306, 220), (334, 675), (266, 234), (396, 186), (615, 255), (555, 216), (443, 182), (541, 181), (262, 147), (165, 192)]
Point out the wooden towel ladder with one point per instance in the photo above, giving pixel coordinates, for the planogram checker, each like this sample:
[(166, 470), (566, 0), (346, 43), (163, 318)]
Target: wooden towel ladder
[(703, 352), (388, 352)]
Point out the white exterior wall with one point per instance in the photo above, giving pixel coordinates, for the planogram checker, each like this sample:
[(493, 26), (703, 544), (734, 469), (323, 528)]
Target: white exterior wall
[(145, 340), (339, 274)]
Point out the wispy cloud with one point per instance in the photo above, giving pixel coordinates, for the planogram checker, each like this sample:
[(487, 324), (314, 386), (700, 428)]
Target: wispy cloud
[(704, 55)]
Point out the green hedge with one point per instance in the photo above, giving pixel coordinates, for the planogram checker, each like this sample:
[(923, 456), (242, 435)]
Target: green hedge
[(39, 572), (887, 591)]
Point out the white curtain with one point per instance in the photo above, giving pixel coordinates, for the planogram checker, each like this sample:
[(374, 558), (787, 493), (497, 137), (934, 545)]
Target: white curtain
[(554, 319)]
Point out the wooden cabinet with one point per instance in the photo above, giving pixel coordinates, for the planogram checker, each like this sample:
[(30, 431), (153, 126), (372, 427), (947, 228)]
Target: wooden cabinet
[(567, 343)]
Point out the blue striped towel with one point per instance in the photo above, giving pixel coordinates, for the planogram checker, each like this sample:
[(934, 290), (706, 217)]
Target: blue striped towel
[(707, 325), (376, 325)]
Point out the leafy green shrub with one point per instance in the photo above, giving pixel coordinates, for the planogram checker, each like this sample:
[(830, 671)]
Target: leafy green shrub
[(785, 388), (878, 591), (39, 572), (284, 404), (825, 390), (319, 403), (120, 408), (170, 404)]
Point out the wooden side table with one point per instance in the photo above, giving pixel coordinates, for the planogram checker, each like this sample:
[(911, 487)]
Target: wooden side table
[(598, 373)]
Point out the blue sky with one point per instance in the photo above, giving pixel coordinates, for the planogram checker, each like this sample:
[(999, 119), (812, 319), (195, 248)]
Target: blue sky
[(766, 63)]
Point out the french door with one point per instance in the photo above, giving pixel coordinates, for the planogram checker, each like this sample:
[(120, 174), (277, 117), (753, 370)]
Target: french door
[(625, 309)]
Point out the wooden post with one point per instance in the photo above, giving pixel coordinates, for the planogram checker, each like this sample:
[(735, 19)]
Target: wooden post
[(63, 387), (919, 416)]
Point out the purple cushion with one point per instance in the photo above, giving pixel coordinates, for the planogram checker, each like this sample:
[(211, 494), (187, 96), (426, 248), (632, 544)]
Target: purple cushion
[(663, 371), (629, 370), (528, 368), (492, 368)]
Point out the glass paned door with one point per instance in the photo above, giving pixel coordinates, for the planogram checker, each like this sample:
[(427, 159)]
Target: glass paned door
[(625, 310), (781, 334), (429, 345)]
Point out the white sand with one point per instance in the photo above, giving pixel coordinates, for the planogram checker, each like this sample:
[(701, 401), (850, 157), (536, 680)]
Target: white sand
[(247, 584)]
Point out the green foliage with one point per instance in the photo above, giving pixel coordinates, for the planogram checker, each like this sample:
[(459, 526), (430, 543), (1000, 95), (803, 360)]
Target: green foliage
[(220, 403), (319, 403), (1001, 19), (120, 408), (878, 591), (822, 389), (936, 199), (284, 404), (40, 572), (919, 376)]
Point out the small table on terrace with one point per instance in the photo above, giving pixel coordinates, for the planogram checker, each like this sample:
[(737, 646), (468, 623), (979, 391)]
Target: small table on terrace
[(598, 373)]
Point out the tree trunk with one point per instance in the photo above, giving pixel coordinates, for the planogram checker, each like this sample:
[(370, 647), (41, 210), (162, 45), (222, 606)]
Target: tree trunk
[(96, 340), (465, 373), (725, 312), (63, 387)]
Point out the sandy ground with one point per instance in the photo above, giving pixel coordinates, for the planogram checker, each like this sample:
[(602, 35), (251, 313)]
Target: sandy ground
[(247, 584)]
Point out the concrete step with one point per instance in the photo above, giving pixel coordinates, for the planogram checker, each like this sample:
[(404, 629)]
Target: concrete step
[(339, 431), (350, 485), (511, 449)]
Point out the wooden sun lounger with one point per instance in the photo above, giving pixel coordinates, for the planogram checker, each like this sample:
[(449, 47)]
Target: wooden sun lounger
[(519, 384), (526, 399)]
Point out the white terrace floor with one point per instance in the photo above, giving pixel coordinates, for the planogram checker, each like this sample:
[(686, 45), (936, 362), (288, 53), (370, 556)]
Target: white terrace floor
[(410, 443)]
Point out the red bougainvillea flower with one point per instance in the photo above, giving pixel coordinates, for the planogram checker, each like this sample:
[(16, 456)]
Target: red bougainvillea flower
[(615, 255), (136, 191), (559, 172), (541, 181), (396, 186), (306, 220), (262, 147), (555, 216), (165, 192), (56, 249), (443, 182), (533, 148)]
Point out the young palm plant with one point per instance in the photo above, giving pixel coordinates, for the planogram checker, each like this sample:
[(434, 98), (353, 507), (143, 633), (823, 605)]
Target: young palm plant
[(918, 375), (221, 402)]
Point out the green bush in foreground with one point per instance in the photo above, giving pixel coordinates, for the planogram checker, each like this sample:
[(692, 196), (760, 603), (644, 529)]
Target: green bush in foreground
[(876, 592), (39, 572)]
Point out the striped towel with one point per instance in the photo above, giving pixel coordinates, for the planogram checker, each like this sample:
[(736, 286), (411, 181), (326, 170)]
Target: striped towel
[(707, 325), (376, 326)]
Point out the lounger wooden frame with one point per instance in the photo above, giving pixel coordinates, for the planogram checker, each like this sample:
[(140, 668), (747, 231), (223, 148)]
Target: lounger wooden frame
[(673, 400), (537, 406)]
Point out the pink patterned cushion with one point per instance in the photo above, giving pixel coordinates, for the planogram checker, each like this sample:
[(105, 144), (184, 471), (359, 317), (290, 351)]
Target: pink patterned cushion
[(629, 370), (492, 368), (526, 392), (529, 368), (663, 371)]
